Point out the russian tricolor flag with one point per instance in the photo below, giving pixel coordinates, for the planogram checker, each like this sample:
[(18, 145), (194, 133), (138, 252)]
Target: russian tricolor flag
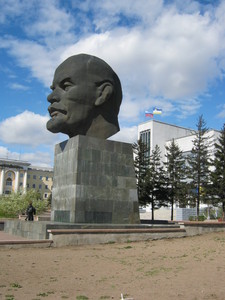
[(148, 114)]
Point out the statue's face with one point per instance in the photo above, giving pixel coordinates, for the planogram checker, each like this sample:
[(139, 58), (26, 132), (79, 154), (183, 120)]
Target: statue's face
[(72, 99)]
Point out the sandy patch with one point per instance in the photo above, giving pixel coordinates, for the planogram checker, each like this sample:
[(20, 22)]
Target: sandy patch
[(189, 268)]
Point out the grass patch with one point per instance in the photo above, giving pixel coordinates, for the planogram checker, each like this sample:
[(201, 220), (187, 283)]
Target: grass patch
[(218, 239), (45, 294), (9, 297), (16, 285), (152, 272), (156, 271), (103, 279), (81, 297), (53, 279)]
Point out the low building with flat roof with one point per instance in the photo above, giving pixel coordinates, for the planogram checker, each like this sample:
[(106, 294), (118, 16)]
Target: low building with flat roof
[(21, 176), (154, 133)]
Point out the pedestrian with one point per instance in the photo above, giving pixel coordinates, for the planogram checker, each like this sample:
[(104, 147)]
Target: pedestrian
[(31, 211)]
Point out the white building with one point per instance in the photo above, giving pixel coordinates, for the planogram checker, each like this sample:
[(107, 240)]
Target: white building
[(154, 133), (186, 143)]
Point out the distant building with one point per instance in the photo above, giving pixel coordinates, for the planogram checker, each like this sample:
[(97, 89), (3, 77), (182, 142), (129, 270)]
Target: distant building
[(20, 176), (154, 133)]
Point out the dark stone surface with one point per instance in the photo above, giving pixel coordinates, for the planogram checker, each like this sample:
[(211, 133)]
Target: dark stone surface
[(98, 217), (62, 216), (93, 183), (85, 99)]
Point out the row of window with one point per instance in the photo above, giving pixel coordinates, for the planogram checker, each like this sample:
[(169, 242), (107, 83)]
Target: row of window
[(36, 177), (9, 183), (29, 176), (39, 186)]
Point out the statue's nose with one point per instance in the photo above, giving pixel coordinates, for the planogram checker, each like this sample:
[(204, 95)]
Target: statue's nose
[(53, 97)]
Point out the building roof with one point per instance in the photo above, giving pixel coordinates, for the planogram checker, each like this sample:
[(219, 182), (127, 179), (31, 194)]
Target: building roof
[(38, 168), (156, 121), (5, 162), (13, 163)]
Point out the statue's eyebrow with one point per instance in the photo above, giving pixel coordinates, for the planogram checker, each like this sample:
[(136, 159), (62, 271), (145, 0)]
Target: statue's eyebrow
[(62, 81), (65, 79)]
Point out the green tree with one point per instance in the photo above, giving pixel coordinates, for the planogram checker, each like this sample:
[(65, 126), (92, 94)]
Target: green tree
[(199, 163), (218, 173), (154, 181), (16, 203), (141, 162), (176, 174)]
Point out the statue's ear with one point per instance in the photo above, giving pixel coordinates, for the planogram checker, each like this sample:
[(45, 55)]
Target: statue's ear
[(104, 92)]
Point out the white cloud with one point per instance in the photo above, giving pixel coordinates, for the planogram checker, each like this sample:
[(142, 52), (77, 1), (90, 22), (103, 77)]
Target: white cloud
[(51, 21), (17, 86), (11, 9), (174, 59), (222, 112), (126, 135), (48, 28), (166, 56), (26, 128), (41, 66), (42, 159), (187, 108), (108, 14), (3, 152), (53, 25)]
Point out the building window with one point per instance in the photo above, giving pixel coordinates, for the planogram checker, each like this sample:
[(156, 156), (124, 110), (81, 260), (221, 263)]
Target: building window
[(145, 138), (46, 187), (45, 195), (21, 183), (9, 174), (33, 186), (46, 178), (28, 176), (21, 175), (41, 177), (28, 185), (34, 176), (40, 186), (9, 182)]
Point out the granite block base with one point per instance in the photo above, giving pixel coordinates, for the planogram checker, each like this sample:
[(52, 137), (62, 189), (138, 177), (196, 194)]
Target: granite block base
[(94, 182)]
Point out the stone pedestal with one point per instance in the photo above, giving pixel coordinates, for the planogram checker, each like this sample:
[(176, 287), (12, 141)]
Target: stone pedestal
[(94, 182)]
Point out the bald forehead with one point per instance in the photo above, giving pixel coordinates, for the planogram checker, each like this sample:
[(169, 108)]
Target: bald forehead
[(85, 66)]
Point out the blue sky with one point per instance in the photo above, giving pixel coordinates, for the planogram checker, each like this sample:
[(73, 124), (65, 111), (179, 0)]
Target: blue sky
[(169, 54)]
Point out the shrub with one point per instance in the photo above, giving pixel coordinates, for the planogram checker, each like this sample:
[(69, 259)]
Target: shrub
[(16, 203), (194, 218), (201, 218)]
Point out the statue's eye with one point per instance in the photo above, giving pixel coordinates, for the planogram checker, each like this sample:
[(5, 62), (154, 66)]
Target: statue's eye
[(66, 85)]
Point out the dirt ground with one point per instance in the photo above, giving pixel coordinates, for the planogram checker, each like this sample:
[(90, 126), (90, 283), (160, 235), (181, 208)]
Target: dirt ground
[(191, 268)]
